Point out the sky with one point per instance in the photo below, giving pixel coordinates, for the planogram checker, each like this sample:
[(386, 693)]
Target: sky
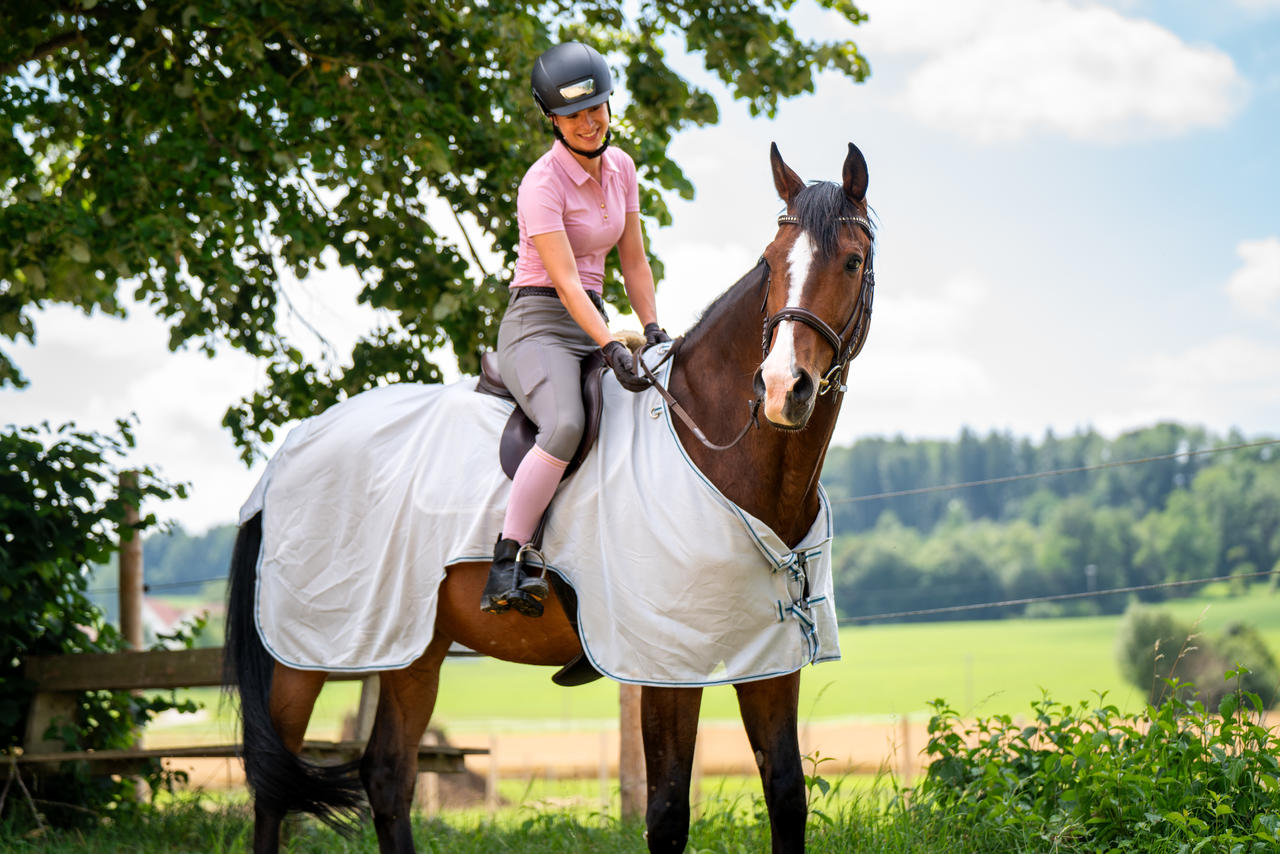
[(1078, 209)]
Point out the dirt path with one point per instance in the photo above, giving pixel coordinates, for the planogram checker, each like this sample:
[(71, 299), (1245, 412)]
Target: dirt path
[(851, 747)]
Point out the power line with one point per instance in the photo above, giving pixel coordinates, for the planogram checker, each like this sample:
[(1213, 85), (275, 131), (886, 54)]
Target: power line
[(1057, 597), (921, 490)]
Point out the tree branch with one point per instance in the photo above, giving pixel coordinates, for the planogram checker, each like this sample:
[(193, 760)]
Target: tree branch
[(40, 51), (467, 237)]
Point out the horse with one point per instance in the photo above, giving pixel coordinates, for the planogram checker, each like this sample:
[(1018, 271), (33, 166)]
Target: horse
[(771, 341)]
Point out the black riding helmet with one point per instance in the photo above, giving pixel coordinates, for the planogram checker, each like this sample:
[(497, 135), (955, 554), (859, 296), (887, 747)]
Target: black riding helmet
[(570, 77)]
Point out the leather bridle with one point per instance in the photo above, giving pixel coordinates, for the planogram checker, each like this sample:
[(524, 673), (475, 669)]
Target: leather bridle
[(844, 349)]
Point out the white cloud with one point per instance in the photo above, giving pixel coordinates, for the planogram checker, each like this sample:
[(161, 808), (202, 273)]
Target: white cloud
[(93, 370), (1255, 287), (696, 275), (916, 374), (1227, 381), (1005, 69)]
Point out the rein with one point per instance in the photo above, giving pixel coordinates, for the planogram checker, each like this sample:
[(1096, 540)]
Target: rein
[(844, 351), (679, 410)]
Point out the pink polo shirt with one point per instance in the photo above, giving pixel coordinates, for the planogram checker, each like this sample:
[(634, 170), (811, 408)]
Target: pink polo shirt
[(557, 194)]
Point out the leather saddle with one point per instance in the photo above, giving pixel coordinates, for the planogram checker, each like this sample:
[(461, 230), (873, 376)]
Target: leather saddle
[(520, 431), (517, 439)]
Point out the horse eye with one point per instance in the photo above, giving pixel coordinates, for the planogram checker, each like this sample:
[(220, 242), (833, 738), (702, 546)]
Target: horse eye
[(853, 264)]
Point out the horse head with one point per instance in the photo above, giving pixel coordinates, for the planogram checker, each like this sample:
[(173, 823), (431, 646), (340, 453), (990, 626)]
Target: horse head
[(819, 286)]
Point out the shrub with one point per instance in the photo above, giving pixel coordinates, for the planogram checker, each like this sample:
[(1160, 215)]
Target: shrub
[(1149, 644), (58, 516), (1152, 647), (1086, 778)]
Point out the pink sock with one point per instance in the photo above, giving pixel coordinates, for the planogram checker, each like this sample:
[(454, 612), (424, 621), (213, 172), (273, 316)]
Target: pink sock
[(531, 490)]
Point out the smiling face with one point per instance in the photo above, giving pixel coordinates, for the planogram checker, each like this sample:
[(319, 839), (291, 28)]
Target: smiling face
[(585, 129)]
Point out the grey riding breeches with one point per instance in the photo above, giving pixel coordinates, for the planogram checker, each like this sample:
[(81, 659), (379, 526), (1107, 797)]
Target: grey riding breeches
[(540, 350)]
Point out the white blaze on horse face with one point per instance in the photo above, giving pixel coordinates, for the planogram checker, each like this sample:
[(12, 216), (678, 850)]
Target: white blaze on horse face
[(779, 369)]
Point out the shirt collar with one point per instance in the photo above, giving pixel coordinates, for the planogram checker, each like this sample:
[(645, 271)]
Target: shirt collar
[(572, 168)]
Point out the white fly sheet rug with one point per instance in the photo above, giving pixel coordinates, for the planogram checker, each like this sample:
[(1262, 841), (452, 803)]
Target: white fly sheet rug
[(365, 505)]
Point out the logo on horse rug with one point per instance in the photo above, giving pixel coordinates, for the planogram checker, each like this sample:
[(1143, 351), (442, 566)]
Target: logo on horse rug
[(366, 504)]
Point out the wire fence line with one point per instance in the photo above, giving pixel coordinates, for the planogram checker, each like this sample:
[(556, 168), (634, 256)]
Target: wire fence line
[(925, 612), (940, 488), (922, 490), (164, 585), (1056, 597)]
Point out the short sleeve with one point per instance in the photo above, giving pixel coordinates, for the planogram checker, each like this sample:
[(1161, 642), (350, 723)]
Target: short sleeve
[(540, 203), (632, 185)]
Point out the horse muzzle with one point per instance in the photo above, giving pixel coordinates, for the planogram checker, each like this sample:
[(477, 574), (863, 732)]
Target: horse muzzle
[(787, 396)]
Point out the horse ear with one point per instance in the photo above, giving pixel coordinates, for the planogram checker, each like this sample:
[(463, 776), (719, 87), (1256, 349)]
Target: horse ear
[(787, 181), (855, 175)]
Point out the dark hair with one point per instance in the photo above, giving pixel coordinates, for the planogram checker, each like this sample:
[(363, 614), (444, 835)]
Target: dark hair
[(819, 207)]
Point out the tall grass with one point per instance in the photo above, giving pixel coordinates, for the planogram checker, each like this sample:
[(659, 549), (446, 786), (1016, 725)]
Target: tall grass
[(849, 825), (1076, 778)]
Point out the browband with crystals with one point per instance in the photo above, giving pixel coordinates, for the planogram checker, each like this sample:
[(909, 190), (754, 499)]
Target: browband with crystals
[(788, 219)]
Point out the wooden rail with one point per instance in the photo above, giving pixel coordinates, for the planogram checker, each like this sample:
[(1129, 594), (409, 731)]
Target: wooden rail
[(59, 678)]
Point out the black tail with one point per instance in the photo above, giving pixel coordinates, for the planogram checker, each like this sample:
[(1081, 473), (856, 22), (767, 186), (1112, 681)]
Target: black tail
[(281, 781)]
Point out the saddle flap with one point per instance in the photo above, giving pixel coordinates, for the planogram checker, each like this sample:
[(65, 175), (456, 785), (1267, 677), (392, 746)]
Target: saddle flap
[(490, 380), (519, 433)]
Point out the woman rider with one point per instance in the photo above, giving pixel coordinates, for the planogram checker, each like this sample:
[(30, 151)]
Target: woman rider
[(575, 204)]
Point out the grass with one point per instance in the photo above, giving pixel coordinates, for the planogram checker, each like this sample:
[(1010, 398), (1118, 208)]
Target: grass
[(850, 820), (983, 667), (997, 669)]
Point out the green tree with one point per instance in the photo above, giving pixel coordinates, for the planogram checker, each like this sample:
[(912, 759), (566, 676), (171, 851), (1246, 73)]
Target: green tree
[(60, 514), (1180, 542), (1086, 548), (194, 151)]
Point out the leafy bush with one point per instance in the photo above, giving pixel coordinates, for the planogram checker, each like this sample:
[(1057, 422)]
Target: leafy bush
[(1149, 643), (1087, 778), (1152, 646), (59, 514)]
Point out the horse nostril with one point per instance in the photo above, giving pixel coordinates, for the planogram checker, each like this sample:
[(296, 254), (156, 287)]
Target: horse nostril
[(757, 385), (803, 389)]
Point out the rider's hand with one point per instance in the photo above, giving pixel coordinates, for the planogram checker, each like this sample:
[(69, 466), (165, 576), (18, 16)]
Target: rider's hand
[(619, 359), (654, 334)]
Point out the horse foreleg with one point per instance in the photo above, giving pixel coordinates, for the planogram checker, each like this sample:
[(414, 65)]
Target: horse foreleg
[(769, 714), (389, 768), (669, 725)]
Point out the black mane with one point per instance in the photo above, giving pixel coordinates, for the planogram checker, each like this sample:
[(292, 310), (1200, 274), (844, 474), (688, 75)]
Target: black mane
[(819, 207)]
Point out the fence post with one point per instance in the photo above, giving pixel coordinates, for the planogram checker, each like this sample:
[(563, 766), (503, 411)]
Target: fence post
[(130, 564), (631, 779)]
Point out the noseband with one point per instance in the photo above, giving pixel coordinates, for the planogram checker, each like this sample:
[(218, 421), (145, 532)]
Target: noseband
[(844, 349)]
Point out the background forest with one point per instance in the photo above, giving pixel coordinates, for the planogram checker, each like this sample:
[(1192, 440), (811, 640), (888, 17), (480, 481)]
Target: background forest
[(1171, 519), (1197, 515)]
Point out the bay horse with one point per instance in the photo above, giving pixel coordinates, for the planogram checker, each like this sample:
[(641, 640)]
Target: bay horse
[(813, 279)]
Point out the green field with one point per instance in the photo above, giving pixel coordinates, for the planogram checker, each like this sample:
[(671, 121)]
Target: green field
[(979, 667)]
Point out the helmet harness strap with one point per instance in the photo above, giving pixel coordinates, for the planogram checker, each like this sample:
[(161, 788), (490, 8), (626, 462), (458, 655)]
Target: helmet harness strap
[(555, 128)]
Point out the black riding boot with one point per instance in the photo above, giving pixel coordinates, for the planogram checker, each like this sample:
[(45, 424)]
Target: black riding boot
[(507, 586), (503, 577)]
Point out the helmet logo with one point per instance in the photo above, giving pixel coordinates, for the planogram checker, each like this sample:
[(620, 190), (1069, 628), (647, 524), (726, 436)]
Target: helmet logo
[(578, 89)]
